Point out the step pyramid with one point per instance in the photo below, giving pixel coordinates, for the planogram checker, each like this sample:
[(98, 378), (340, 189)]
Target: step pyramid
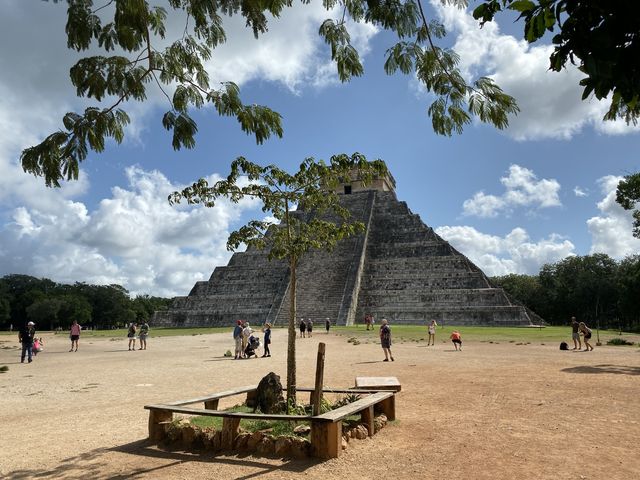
[(398, 269)]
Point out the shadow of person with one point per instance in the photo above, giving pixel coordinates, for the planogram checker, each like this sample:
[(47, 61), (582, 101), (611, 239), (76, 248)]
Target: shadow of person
[(594, 369)]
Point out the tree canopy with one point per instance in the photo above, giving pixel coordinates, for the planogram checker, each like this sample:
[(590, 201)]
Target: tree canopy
[(628, 196), (134, 54), (51, 305)]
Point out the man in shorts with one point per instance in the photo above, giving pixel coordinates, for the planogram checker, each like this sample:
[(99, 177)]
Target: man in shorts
[(575, 334)]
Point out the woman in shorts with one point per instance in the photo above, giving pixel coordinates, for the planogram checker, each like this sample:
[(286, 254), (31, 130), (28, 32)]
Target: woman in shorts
[(586, 331), (432, 333), (131, 335), (74, 335), (385, 340)]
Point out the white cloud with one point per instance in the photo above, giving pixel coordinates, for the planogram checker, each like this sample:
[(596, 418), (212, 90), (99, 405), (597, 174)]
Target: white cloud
[(611, 231), (579, 192), (513, 253), (550, 102), (523, 189), (134, 238)]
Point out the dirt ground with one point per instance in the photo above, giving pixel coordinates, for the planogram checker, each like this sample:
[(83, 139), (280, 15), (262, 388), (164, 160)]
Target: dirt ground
[(492, 411)]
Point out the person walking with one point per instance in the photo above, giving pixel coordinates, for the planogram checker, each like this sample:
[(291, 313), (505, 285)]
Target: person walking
[(456, 339), (586, 332), (144, 333), (237, 338), (385, 340), (131, 335), (327, 324), (267, 339), (26, 334), (310, 327), (575, 334), (432, 333), (74, 335), (303, 328)]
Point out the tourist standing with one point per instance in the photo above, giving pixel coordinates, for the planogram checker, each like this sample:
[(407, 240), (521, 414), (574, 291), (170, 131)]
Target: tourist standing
[(26, 335), (575, 334), (586, 332), (246, 333), (303, 328), (237, 338), (310, 327), (267, 339), (144, 333), (74, 335), (385, 340), (456, 339), (131, 335), (327, 324), (432, 333)]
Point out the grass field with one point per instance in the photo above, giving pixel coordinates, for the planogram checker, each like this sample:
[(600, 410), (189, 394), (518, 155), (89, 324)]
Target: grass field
[(401, 333)]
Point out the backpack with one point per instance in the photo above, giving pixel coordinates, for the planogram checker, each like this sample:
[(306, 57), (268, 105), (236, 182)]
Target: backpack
[(564, 346)]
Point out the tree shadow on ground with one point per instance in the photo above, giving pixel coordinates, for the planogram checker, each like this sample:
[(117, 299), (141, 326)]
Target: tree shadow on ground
[(617, 369), (98, 465)]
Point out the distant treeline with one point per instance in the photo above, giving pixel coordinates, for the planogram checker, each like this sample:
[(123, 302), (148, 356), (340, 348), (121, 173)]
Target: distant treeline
[(51, 305), (595, 289)]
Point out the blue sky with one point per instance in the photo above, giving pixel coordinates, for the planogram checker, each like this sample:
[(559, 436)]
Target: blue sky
[(511, 201)]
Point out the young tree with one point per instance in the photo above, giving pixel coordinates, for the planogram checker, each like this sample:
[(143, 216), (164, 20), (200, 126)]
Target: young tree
[(306, 214)]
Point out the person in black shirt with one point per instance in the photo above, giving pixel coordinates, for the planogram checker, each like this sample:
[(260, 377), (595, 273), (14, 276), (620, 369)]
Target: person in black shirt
[(25, 336)]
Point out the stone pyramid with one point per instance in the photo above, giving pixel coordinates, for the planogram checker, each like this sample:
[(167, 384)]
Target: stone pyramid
[(398, 269)]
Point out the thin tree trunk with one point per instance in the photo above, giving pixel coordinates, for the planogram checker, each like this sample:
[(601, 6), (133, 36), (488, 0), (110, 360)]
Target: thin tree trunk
[(291, 345)]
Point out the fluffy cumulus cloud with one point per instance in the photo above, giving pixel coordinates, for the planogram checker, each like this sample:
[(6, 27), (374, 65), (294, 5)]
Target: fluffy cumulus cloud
[(550, 102), (611, 229), (134, 238), (522, 189), (513, 253)]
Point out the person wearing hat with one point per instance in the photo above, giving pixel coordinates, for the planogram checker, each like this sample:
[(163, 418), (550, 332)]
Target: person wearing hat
[(25, 336), (237, 338), (267, 339)]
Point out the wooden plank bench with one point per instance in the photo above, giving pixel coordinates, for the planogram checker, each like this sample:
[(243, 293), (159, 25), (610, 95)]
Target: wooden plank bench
[(326, 429)]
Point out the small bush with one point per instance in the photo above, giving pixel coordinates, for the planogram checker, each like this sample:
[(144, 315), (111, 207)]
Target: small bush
[(619, 341), (4, 368)]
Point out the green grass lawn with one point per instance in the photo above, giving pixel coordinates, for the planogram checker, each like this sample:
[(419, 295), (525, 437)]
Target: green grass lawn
[(401, 333), (417, 333)]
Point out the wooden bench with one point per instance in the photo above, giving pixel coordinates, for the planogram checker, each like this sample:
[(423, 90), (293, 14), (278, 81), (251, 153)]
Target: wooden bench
[(326, 429), (162, 415)]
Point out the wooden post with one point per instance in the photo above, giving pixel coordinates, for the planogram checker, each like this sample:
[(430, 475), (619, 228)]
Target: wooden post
[(388, 407), (367, 418), (229, 432), (157, 421), (317, 392), (326, 439), (211, 404)]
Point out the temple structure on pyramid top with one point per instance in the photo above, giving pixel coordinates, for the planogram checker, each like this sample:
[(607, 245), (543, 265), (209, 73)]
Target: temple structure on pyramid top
[(398, 269)]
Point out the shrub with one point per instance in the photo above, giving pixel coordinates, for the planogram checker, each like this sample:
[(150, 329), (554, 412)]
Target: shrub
[(4, 368), (619, 341)]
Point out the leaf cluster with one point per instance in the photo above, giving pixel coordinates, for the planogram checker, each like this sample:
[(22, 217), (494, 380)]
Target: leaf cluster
[(628, 197), (306, 213), (601, 37), (129, 32)]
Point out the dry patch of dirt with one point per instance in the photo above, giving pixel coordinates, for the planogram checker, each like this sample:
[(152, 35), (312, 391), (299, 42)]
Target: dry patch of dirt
[(492, 411)]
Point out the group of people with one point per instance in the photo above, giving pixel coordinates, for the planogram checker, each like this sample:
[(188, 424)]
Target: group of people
[(577, 329), (306, 328), (246, 343), (142, 332)]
